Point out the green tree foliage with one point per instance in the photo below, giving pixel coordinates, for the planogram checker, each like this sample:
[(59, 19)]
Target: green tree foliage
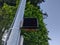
[(39, 37), (35, 2), (7, 13)]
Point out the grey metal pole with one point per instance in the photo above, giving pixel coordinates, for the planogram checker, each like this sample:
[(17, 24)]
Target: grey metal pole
[(21, 40), (15, 33)]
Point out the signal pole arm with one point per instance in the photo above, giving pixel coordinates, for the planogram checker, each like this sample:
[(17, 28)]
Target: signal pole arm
[(15, 33)]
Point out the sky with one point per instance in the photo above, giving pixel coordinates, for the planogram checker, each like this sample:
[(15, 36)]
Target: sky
[(52, 7)]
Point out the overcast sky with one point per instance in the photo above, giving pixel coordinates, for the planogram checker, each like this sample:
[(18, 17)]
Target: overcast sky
[(52, 7)]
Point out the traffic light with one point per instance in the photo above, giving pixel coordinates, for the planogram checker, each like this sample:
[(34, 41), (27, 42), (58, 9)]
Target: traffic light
[(30, 24)]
